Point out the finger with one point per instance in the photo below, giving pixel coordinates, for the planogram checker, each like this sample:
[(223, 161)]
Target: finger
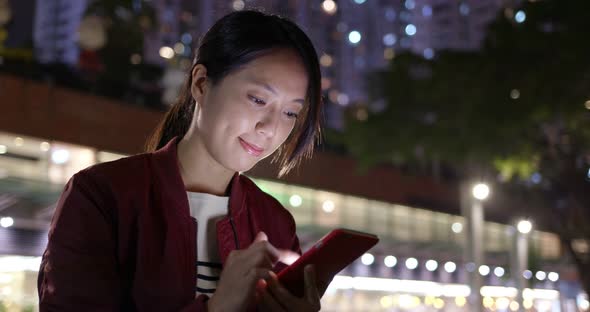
[(281, 293), (287, 256), (268, 249), (258, 257), (270, 303), (260, 288), (311, 288), (255, 274), (261, 236)]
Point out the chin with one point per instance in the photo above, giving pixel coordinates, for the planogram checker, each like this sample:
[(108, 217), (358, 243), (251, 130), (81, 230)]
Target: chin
[(240, 166)]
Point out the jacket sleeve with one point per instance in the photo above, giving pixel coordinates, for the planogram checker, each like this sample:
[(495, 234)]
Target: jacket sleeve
[(79, 270)]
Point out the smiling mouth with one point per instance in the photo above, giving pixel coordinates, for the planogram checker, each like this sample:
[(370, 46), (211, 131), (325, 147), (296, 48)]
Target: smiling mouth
[(250, 148)]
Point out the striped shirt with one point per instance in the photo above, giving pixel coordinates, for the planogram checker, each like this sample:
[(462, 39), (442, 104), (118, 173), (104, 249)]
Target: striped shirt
[(207, 209)]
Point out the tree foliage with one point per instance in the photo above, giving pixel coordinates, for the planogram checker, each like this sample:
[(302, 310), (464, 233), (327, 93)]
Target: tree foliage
[(519, 107)]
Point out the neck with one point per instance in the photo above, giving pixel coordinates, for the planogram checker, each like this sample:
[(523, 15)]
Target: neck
[(199, 171)]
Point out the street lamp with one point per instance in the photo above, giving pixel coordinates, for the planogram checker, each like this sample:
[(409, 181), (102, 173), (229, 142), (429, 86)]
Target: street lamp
[(520, 254), (481, 191), (524, 226), (472, 197)]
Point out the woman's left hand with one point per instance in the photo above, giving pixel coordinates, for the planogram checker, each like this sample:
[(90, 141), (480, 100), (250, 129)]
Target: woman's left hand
[(275, 297)]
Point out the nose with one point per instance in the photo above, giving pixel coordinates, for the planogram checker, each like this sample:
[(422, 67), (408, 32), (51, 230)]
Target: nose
[(267, 124)]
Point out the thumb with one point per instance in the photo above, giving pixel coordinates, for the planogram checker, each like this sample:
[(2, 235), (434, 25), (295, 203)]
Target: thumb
[(261, 236)]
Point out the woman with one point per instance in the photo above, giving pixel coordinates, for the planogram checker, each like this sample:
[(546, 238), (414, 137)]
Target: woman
[(179, 228)]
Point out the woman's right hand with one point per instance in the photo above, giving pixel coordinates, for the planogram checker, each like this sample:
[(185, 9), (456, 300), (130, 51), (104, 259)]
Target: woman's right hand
[(243, 269)]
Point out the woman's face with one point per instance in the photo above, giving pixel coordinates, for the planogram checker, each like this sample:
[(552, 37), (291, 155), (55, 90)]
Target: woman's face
[(247, 115)]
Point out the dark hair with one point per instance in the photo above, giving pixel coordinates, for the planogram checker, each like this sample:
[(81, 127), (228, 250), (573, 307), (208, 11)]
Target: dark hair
[(232, 42)]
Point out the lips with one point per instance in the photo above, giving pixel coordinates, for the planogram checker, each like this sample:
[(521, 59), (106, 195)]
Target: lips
[(250, 148)]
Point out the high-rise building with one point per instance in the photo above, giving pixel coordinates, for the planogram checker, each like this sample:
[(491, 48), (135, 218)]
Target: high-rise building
[(55, 30), (356, 37)]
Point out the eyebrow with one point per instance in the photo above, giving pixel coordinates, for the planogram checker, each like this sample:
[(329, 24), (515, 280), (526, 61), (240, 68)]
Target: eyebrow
[(272, 90)]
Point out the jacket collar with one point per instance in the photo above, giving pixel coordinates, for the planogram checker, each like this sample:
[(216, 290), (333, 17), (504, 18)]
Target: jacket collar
[(167, 171)]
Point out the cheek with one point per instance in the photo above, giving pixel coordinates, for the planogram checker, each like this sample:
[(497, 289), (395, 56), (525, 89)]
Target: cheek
[(283, 133)]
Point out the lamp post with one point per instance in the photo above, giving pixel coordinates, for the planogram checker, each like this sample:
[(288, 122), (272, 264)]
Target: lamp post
[(520, 258), (472, 197)]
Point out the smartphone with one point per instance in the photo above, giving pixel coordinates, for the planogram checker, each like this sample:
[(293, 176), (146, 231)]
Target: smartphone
[(330, 255)]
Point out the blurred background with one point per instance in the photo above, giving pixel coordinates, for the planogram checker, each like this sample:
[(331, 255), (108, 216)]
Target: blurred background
[(457, 130)]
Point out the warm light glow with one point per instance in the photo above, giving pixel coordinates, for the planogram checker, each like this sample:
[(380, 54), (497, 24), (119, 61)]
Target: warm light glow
[(498, 291), (390, 261), (419, 288), (135, 59), (6, 222), (584, 304), (166, 52), (545, 294), (5, 278), (437, 290), (502, 303), (450, 267), (388, 53), (587, 104), (60, 156), (408, 302), (514, 306), (19, 263), (484, 270), (527, 304), (326, 60), (481, 191), (460, 301), (238, 5), (431, 265), (19, 141), (488, 302), (328, 206), (386, 301), (329, 6), (439, 303), (326, 83), (367, 259), (295, 200), (411, 263), (44, 146), (457, 227), (524, 226)]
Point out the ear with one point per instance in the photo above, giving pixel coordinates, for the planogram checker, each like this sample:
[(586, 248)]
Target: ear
[(199, 82)]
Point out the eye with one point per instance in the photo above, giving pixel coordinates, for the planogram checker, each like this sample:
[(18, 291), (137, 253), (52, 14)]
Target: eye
[(256, 100), (291, 115)]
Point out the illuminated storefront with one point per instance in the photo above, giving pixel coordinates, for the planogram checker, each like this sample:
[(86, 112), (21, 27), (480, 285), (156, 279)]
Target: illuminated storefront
[(417, 266)]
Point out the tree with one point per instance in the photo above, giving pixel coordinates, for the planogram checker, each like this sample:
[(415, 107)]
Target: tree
[(519, 107)]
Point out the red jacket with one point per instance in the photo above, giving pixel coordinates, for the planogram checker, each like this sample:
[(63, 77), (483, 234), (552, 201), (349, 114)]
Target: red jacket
[(122, 239)]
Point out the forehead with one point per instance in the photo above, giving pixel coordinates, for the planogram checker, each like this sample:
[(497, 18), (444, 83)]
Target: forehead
[(282, 69)]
